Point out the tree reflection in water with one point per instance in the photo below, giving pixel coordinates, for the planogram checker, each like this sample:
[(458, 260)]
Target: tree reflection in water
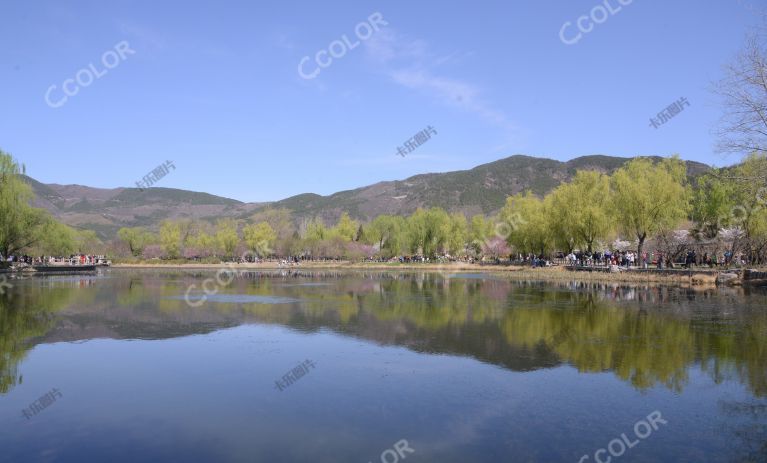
[(646, 336), (24, 316)]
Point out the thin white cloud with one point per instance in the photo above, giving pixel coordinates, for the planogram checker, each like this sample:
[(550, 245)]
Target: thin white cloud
[(455, 57), (284, 41), (387, 46), (409, 63), (147, 38)]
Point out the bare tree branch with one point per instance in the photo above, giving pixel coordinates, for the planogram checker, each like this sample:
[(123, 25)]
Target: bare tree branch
[(743, 90)]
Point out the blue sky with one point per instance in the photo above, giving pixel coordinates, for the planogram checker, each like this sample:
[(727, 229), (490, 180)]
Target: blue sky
[(215, 87)]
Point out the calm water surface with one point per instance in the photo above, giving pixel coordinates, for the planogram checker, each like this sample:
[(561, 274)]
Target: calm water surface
[(464, 367)]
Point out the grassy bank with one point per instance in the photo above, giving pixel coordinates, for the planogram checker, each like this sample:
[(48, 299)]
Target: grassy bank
[(671, 277), (677, 278)]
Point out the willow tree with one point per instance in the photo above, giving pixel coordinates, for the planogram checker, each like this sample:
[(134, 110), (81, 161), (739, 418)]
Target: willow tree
[(57, 239), (281, 221), (387, 231), (21, 225), (137, 238), (456, 234), (397, 240), (740, 205), (530, 229), (589, 198), (377, 231), (226, 237), (314, 237), (316, 230), (259, 238), (711, 205), (650, 197), (346, 228), (201, 244), (562, 214), (480, 230), (87, 241), (171, 238), (427, 230)]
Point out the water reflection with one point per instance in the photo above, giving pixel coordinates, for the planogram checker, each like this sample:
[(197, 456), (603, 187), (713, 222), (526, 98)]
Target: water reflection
[(751, 429), (25, 318), (644, 335)]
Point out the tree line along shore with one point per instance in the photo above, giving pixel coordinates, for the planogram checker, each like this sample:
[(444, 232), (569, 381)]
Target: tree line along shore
[(645, 207)]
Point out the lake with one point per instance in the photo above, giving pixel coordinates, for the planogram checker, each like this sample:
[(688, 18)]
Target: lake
[(325, 366)]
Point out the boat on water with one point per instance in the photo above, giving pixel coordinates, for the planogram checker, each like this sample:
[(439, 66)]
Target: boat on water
[(64, 268), (72, 264)]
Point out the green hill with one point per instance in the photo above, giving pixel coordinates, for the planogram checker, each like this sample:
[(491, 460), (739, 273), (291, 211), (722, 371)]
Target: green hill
[(482, 189)]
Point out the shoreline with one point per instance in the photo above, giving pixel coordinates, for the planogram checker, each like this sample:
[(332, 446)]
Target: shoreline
[(676, 277)]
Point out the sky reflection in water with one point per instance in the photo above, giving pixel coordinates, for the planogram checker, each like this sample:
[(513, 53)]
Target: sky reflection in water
[(464, 368)]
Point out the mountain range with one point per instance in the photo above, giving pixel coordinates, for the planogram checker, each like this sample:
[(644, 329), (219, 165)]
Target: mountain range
[(482, 189)]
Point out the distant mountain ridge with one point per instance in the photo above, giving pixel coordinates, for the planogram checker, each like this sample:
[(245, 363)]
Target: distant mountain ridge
[(482, 189)]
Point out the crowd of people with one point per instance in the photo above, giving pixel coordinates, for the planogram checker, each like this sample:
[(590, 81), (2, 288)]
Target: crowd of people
[(657, 259), (619, 258), (714, 259), (74, 259)]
